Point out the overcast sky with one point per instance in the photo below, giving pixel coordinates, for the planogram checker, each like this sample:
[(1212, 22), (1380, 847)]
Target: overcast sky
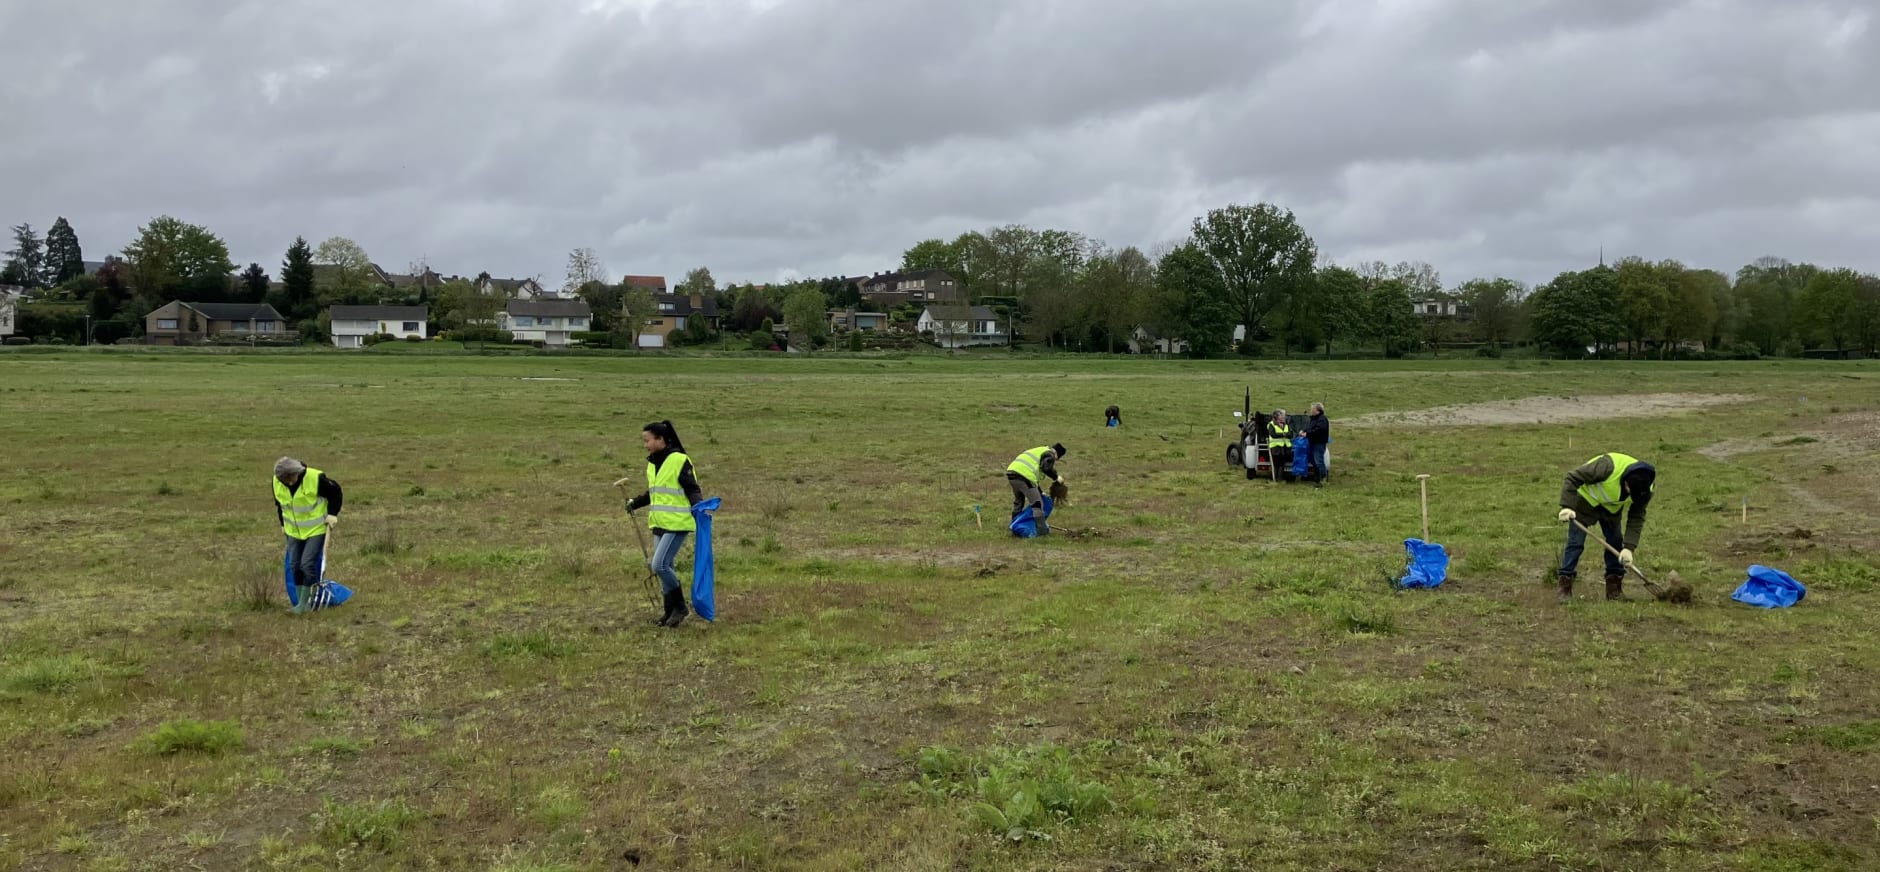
[(776, 138)]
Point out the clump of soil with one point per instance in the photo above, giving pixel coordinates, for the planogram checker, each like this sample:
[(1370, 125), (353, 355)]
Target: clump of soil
[(1676, 591)]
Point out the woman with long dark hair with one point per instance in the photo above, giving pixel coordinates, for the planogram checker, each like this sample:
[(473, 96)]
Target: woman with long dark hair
[(671, 491)]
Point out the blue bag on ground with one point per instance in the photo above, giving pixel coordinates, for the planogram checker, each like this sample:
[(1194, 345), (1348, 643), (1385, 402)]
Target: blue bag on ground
[(704, 575), (1429, 564), (326, 594), (1769, 589), (1022, 524), (1302, 456)]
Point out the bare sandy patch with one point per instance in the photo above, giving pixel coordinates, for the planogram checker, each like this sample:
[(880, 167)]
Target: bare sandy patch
[(1549, 410)]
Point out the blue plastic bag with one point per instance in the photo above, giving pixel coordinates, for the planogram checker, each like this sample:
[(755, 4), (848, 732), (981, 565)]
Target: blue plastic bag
[(1428, 566), (704, 574), (1769, 589), (1112, 423), (1302, 456), (327, 593), (1024, 527)]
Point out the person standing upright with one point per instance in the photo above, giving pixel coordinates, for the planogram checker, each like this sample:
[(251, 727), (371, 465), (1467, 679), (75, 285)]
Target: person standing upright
[(671, 491)]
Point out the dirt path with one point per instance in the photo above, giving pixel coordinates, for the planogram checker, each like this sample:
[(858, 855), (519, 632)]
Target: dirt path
[(1548, 410)]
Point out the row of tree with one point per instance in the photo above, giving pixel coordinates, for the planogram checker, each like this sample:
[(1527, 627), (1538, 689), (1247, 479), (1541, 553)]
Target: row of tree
[(1256, 267), (1242, 266)]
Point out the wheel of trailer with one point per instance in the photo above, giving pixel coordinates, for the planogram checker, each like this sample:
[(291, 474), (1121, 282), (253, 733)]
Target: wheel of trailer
[(1233, 455)]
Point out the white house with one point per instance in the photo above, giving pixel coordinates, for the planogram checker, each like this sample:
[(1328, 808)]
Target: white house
[(551, 322), (1437, 307), (352, 324), (961, 326), (1140, 342), (9, 302)]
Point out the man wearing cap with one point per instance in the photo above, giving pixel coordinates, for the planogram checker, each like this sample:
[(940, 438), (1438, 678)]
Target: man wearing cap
[(307, 504), (1026, 474), (1603, 489)]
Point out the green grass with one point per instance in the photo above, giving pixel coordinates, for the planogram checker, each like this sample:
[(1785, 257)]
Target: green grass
[(185, 735), (1215, 676), (376, 825), (59, 674)]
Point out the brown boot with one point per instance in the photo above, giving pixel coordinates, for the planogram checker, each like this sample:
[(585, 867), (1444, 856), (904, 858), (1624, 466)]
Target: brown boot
[(1566, 588), (1615, 587)]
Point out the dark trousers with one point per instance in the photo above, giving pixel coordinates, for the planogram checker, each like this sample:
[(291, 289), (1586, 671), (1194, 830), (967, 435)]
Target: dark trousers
[(304, 556), (1576, 543), (1024, 493), (1318, 472)]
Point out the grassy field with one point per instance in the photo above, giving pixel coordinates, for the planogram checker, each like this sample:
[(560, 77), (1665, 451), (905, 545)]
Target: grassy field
[(1213, 674)]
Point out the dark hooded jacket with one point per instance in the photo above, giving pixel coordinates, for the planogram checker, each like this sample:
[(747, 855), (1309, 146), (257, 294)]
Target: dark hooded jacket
[(1638, 485)]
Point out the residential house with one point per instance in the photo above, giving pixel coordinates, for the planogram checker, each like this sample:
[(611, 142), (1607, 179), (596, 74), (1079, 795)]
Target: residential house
[(551, 322), (516, 289), (849, 319), (655, 284), (1140, 342), (421, 285), (9, 304), (675, 311), (180, 323), (377, 280), (1437, 307), (961, 326), (921, 287), (352, 324)]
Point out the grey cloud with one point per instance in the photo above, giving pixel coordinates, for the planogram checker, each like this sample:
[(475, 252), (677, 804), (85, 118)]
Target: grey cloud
[(807, 137)]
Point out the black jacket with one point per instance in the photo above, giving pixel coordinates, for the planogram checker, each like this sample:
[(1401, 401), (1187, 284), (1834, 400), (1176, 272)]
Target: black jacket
[(1318, 430), (688, 482), (328, 490)]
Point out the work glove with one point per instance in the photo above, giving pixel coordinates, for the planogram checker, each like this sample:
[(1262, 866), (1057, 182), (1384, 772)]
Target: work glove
[(628, 506), (1625, 557), (1567, 515), (1064, 480), (332, 520)]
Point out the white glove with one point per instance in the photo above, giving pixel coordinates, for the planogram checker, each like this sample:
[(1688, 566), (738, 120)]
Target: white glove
[(1063, 480), (1625, 557), (1567, 515), (332, 520)]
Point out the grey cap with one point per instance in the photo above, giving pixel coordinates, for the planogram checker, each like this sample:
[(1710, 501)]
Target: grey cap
[(288, 467)]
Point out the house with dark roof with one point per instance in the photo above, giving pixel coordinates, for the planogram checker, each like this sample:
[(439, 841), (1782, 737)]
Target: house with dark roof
[(673, 313), (351, 325), (961, 326), (180, 323), (551, 322), (885, 291), (326, 275), (516, 289)]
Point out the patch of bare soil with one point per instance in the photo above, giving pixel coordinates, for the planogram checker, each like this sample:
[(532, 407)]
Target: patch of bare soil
[(1548, 410), (1835, 437), (1828, 481)]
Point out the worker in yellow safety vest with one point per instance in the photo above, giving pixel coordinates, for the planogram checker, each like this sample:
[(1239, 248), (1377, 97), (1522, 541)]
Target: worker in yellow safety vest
[(671, 491), (1027, 473), (306, 504), (1607, 489)]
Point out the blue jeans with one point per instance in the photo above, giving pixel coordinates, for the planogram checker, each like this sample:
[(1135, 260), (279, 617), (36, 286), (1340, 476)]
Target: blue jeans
[(665, 550), (1318, 461), (304, 556), (1576, 542)]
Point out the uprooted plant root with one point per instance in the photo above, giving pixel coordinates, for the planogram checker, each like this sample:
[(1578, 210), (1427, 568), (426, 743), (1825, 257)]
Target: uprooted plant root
[(1676, 591)]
